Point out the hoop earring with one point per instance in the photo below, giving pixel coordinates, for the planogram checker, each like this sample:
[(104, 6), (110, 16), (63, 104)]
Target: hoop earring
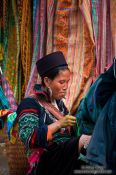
[(50, 91)]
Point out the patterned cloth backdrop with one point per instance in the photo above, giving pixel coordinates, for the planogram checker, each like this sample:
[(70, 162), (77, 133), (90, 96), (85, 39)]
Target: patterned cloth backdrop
[(1, 30), (113, 25), (97, 18), (42, 35), (81, 29), (67, 31), (37, 30), (26, 43), (11, 42), (102, 34), (17, 44)]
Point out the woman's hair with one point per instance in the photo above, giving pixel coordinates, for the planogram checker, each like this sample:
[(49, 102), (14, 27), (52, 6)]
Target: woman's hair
[(52, 74)]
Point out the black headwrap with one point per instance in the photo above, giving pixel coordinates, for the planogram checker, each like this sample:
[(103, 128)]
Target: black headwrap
[(50, 61)]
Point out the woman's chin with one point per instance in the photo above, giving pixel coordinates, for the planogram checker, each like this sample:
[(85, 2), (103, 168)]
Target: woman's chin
[(61, 97)]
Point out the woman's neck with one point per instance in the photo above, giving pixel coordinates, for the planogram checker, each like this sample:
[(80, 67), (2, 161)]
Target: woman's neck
[(50, 99)]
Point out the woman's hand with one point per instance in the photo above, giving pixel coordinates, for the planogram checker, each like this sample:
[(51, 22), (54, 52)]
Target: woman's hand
[(84, 141), (68, 120)]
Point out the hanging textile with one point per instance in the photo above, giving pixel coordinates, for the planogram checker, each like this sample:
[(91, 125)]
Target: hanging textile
[(43, 17), (8, 107), (36, 40), (4, 104), (78, 46), (102, 33), (17, 44), (11, 43), (81, 29), (8, 93), (66, 32), (98, 43), (26, 43), (75, 28), (1, 30), (113, 25)]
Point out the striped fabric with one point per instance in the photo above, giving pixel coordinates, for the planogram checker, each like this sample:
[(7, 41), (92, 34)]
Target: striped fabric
[(81, 29), (40, 29), (102, 34), (80, 54), (1, 30), (113, 25), (36, 40), (75, 28), (11, 46), (26, 43)]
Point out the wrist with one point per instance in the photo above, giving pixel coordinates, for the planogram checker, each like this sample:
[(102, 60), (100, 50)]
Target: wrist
[(58, 123), (54, 126)]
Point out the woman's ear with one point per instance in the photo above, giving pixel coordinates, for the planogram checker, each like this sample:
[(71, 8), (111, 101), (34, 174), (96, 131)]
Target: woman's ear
[(47, 81)]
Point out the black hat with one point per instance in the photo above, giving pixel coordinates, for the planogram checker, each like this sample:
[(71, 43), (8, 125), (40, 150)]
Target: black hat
[(50, 62)]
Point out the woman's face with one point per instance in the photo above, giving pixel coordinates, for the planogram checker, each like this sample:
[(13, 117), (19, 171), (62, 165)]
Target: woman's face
[(60, 84)]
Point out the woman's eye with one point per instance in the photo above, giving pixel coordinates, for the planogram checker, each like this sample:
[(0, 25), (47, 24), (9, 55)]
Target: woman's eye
[(62, 82)]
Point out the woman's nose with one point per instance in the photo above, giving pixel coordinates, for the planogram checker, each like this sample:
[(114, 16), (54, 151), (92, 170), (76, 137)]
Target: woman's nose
[(65, 86)]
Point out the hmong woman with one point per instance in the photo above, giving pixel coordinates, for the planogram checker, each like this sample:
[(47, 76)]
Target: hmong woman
[(44, 124)]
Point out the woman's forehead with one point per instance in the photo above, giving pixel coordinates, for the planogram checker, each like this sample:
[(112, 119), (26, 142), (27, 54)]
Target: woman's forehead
[(63, 74)]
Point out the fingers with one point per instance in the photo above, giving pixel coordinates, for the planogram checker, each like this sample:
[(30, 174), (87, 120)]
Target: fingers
[(68, 120), (85, 139), (71, 120), (70, 117)]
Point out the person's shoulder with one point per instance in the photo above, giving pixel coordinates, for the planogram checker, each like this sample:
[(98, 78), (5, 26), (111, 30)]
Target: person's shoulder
[(27, 103)]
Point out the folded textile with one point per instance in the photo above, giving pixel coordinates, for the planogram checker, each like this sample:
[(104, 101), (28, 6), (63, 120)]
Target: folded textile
[(12, 127), (4, 104)]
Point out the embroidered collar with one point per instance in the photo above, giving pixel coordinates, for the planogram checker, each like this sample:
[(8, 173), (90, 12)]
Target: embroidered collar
[(41, 91)]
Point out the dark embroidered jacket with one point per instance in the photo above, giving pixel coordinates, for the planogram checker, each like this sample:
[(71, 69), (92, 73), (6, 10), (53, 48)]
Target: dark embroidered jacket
[(33, 121)]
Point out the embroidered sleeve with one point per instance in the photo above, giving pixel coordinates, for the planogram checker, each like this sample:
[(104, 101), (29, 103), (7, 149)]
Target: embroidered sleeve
[(32, 130)]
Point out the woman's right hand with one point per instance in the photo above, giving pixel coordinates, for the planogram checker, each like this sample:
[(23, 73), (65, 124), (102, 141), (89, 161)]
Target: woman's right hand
[(68, 120), (65, 121)]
